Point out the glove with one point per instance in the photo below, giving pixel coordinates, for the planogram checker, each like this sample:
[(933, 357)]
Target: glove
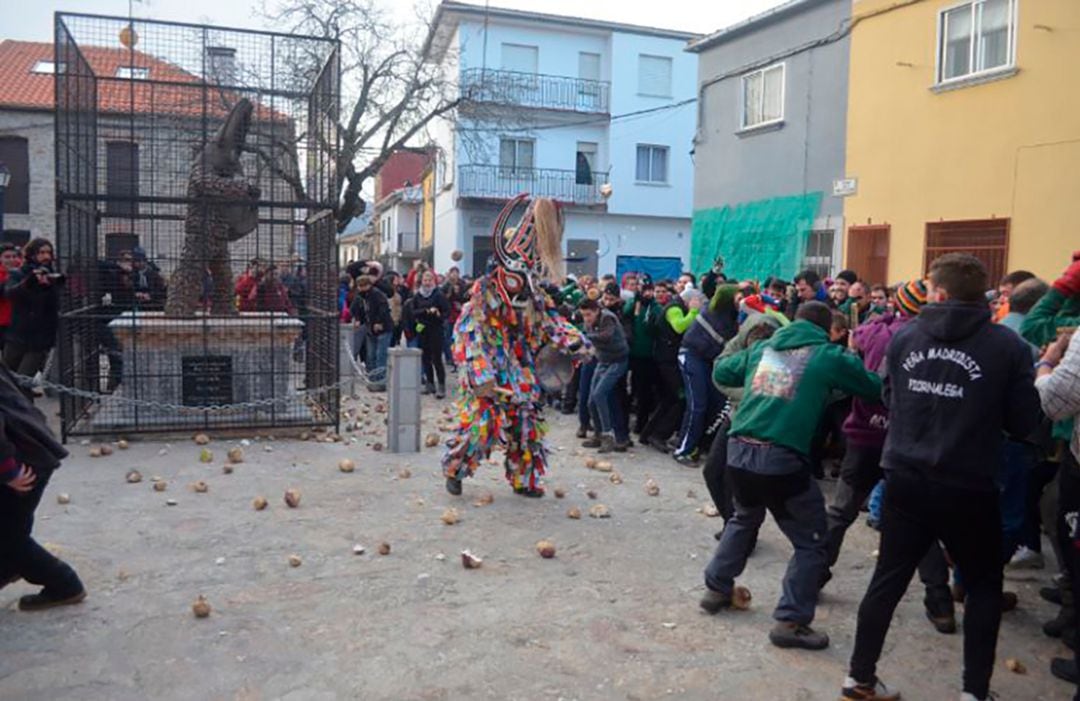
[(1069, 282)]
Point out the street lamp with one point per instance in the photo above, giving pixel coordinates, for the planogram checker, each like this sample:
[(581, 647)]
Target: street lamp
[(5, 178)]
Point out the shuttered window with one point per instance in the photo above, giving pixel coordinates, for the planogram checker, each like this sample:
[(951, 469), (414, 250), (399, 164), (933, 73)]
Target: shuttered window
[(520, 58), (654, 75)]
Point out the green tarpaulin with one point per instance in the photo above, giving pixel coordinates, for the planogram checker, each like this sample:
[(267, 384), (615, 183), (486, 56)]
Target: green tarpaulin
[(756, 239)]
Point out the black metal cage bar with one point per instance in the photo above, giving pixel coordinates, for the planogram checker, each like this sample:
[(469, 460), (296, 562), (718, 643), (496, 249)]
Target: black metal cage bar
[(143, 221)]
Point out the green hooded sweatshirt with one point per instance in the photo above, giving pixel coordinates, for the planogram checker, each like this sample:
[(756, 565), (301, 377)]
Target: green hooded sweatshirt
[(1040, 326), (787, 382)]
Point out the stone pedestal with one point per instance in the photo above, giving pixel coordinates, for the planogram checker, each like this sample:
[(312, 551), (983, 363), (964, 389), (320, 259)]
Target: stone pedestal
[(202, 362)]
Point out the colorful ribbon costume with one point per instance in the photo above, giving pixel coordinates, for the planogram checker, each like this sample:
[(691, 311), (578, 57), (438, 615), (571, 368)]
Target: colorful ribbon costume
[(502, 327)]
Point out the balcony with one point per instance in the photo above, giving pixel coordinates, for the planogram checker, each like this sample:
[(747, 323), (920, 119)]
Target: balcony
[(502, 183), (546, 92)]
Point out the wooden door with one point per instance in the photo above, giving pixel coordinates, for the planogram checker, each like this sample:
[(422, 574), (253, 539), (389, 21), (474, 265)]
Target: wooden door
[(868, 253)]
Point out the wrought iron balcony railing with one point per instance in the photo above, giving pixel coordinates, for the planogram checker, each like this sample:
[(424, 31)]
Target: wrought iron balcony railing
[(550, 92), (501, 183)]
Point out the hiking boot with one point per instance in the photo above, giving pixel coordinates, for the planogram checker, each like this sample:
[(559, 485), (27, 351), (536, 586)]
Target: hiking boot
[(1026, 559), (43, 600), (1065, 670), (593, 442), (941, 617), (582, 432), (1051, 594), (657, 444), (797, 635), (453, 485), (714, 601), (1059, 624), (607, 444), (874, 691)]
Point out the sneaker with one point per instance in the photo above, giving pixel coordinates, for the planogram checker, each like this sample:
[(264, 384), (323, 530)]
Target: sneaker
[(440, 391), (42, 601), (714, 601), (1026, 559), (1065, 670), (1051, 594), (582, 432), (687, 460), (593, 442), (453, 486), (875, 691), (797, 635)]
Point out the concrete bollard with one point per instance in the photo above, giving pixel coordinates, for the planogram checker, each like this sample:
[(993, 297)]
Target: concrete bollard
[(403, 418)]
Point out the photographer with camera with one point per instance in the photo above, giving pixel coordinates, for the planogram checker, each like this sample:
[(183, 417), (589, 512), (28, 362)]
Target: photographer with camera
[(34, 291)]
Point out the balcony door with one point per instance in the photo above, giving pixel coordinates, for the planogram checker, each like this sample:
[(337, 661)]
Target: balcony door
[(589, 89), (520, 64), (516, 171)]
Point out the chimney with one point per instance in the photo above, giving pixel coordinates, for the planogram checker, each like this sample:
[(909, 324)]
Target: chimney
[(221, 64)]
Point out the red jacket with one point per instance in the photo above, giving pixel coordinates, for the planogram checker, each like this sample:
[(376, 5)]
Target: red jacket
[(5, 303)]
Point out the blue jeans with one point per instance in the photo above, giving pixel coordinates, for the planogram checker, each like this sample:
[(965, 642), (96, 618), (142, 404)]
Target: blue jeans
[(1017, 462), (702, 400), (377, 349), (584, 385), (603, 403)]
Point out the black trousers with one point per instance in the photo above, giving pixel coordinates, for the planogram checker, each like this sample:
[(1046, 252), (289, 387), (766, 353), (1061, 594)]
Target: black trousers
[(1044, 473), (643, 381), (20, 554), (1068, 536), (915, 514), (431, 347), (669, 406), (716, 473)]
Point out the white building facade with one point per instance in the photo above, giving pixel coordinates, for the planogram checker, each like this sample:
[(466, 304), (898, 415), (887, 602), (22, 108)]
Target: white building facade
[(564, 107)]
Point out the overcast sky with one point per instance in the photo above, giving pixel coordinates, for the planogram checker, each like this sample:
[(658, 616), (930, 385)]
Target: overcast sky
[(33, 20)]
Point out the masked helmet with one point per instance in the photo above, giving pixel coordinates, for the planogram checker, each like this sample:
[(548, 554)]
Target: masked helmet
[(529, 252)]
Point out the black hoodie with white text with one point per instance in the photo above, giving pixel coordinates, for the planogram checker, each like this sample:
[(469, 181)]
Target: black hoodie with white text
[(956, 383)]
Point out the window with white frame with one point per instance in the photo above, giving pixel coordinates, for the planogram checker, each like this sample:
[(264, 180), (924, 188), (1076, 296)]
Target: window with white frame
[(652, 164), (520, 58), (654, 75), (763, 96), (819, 252), (515, 157), (976, 37)]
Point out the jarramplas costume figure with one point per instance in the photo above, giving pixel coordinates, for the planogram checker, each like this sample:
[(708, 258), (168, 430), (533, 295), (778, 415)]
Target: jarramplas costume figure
[(497, 340)]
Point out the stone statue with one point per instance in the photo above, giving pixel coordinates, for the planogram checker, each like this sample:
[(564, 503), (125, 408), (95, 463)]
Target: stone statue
[(223, 209)]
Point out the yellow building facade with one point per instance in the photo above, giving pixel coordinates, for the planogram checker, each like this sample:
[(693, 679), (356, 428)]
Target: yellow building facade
[(963, 134)]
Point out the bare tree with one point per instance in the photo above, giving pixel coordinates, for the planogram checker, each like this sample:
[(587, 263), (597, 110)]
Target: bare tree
[(391, 90)]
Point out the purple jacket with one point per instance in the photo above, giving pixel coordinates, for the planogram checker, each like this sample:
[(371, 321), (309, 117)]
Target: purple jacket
[(868, 422)]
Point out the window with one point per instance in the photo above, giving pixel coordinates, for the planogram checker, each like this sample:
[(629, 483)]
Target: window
[(654, 75), (46, 68), (763, 97), (819, 251), (122, 177), (520, 58), (585, 164), (652, 164), (986, 239), (515, 157), (976, 37), (15, 154), (588, 66), (132, 73)]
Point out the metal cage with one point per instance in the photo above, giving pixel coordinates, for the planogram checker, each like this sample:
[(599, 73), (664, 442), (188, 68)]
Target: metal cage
[(136, 100)]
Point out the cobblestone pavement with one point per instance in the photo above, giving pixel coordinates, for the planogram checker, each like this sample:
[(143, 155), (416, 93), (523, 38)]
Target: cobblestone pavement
[(613, 616)]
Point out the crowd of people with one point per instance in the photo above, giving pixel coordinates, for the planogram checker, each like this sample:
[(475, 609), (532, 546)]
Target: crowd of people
[(768, 386)]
